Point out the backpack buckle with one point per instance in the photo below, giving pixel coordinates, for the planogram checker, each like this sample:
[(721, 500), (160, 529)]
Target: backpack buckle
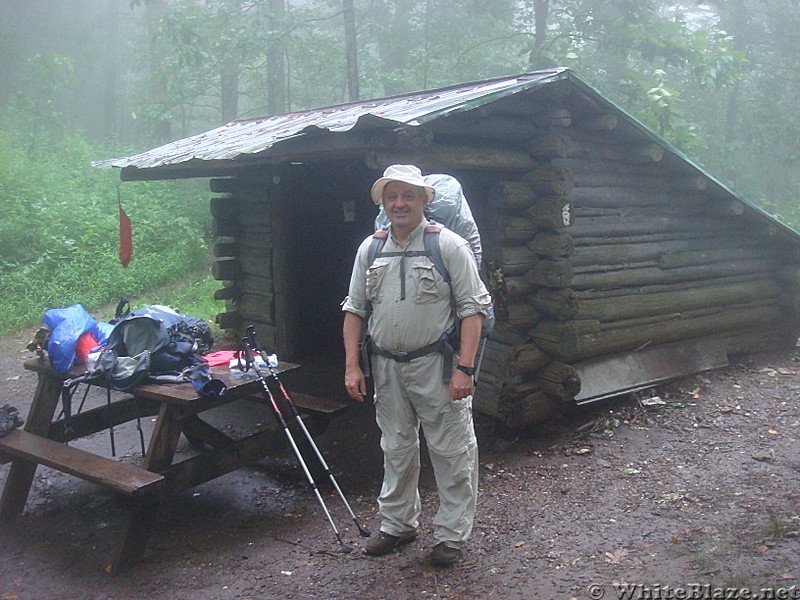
[(402, 357)]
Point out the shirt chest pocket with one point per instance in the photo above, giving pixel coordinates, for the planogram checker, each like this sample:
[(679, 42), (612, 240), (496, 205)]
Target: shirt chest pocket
[(430, 286), (374, 281)]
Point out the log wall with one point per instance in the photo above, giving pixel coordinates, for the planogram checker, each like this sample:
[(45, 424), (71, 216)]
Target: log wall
[(601, 249), (244, 256), (593, 245)]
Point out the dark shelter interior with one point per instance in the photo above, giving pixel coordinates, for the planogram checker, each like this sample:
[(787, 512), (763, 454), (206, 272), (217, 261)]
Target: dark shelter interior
[(330, 212)]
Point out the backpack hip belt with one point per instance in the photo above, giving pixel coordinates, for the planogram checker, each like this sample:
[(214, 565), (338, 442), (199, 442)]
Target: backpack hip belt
[(443, 345)]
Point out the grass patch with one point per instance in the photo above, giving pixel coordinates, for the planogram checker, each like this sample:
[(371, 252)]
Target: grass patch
[(59, 230), (192, 295)]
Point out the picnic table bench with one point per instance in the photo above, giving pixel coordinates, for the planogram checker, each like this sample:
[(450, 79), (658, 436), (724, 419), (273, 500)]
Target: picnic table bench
[(178, 408)]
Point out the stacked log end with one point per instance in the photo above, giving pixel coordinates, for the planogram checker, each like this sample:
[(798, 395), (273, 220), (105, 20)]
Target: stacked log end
[(602, 249), (526, 258), (243, 260)]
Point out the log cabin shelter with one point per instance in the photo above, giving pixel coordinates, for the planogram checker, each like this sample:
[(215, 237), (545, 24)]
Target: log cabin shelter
[(614, 260)]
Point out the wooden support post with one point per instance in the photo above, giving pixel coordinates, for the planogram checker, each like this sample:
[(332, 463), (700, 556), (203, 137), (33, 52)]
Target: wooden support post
[(20, 475)]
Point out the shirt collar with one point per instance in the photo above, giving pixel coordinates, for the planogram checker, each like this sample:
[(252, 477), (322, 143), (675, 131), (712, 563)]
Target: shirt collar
[(414, 235)]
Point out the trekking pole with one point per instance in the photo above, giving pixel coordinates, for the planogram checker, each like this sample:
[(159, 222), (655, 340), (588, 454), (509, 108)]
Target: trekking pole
[(479, 362), (276, 409), (251, 332)]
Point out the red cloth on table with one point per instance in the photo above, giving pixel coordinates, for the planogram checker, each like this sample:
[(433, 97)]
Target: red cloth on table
[(223, 357)]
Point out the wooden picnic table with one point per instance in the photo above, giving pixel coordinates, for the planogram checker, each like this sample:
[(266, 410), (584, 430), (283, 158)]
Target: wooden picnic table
[(179, 409)]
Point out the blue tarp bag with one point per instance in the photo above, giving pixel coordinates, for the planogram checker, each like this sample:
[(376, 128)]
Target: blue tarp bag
[(66, 326)]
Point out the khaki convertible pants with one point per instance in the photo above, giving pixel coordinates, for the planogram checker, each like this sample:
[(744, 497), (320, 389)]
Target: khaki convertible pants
[(407, 395)]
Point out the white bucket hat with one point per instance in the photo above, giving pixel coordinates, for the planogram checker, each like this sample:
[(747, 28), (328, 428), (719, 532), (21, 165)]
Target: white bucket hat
[(405, 173)]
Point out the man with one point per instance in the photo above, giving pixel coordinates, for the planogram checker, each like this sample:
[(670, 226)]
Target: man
[(410, 307)]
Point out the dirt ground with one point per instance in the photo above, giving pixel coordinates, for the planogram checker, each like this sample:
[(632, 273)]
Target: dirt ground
[(692, 486)]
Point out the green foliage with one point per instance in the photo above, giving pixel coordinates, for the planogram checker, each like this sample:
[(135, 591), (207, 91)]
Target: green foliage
[(36, 111), (59, 229), (191, 295), (642, 55), (417, 45), (403, 45), (715, 78)]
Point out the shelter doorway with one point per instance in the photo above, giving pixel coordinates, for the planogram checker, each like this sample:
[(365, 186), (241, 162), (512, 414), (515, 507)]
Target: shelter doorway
[(327, 214)]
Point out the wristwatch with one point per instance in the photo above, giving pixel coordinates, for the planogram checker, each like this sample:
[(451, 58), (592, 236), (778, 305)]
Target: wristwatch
[(468, 370)]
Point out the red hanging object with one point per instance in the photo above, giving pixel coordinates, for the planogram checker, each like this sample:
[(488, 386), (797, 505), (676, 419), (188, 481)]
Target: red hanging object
[(125, 238)]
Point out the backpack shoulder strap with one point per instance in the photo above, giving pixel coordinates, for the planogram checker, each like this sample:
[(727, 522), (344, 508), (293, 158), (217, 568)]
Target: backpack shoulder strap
[(434, 250), (378, 242)]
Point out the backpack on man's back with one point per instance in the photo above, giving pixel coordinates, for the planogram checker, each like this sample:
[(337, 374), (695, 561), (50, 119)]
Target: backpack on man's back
[(449, 209)]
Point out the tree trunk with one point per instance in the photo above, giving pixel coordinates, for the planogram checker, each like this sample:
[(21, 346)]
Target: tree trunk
[(276, 65), (541, 9), (112, 70), (351, 50), (229, 72), (739, 26), (394, 48), (229, 95), (162, 131)]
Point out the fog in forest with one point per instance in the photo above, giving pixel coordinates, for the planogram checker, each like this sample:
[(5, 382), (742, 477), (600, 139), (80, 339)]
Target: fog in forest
[(84, 80), (714, 78)]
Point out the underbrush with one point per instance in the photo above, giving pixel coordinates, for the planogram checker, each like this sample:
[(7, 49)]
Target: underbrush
[(193, 295), (59, 232)]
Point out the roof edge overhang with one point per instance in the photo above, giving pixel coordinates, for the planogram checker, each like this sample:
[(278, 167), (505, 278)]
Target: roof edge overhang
[(237, 139), (312, 144)]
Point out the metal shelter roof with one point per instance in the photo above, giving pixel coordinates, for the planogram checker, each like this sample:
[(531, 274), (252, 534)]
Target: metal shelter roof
[(252, 136), (238, 142)]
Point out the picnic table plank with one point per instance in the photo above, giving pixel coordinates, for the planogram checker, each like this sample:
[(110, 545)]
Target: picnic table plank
[(118, 476)]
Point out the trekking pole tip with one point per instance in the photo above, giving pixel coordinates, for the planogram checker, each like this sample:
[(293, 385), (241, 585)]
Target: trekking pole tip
[(363, 531)]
